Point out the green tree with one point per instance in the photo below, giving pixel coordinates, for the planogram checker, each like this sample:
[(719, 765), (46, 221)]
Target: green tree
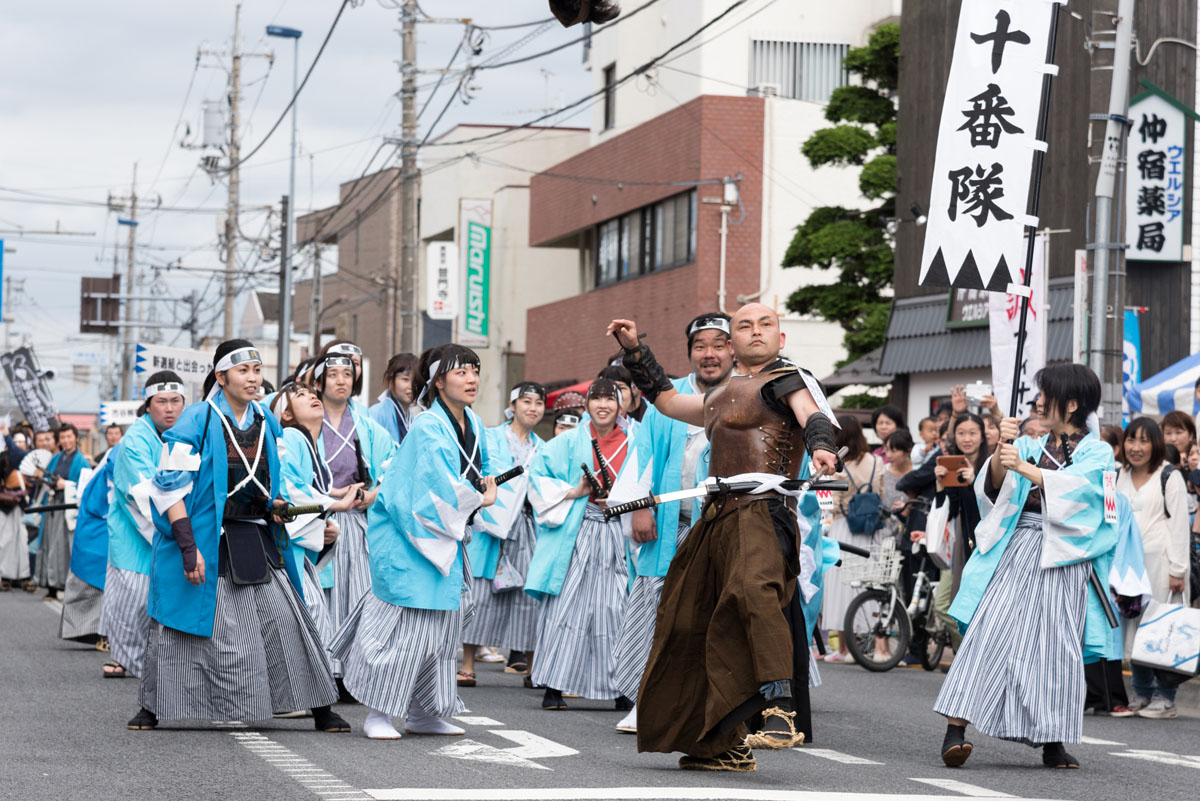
[(855, 243)]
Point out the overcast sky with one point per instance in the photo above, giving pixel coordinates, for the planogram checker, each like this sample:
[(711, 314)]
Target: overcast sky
[(91, 88)]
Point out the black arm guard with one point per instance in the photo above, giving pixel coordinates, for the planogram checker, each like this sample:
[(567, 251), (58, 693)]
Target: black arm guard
[(647, 373), (818, 435), (182, 531)]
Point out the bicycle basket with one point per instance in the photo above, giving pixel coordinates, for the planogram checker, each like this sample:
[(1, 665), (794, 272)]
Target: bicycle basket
[(882, 568)]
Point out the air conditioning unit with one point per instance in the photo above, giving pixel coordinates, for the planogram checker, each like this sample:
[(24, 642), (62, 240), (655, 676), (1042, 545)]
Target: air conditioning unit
[(764, 90)]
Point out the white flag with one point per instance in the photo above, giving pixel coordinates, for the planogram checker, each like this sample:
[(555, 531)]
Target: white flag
[(1004, 319)]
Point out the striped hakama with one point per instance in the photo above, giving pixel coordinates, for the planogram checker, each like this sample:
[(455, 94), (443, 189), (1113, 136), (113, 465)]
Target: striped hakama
[(578, 629), (264, 658), (14, 546), (395, 655), (637, 625), (508, 619), (318, 610), (81, 604), (1019, 672), (837, 595), (123, 617), (351, 565), (54, 553)]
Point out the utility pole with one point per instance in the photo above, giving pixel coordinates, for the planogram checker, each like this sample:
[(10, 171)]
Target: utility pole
[(126, 332), (314, 308), (409, 232), (1107, 333), (235, 155), (284, 340)]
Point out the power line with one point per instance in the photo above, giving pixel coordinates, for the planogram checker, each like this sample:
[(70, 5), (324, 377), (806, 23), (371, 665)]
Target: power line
[(175, 129)]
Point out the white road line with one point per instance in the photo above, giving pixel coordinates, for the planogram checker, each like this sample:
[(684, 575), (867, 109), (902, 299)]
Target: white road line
[(320, 782), (467, 720), (964, 788), (1098, 741), (835, 756), (1164, 757), (54, 604), (642, 794)]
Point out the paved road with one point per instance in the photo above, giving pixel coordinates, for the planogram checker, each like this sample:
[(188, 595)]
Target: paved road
[(63, 737)]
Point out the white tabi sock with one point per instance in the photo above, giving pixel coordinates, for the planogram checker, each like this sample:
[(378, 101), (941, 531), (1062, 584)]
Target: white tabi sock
[(378, 726), (421, 722), (628, 723)]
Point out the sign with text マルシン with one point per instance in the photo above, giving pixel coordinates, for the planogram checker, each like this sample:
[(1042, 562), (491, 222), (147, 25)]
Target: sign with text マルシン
[(975, 237), (475, 256), (441, 281), (1154, 197)]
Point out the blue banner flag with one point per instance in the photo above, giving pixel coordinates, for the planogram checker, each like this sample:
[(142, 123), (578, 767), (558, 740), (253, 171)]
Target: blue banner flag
[(1131, 366)]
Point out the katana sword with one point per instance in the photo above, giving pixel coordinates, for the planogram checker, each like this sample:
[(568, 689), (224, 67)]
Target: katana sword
[(720, 487), (52, 507), (503, 478), (597, 490)]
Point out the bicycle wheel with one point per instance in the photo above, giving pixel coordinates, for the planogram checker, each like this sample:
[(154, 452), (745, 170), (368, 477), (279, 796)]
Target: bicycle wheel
[(935, 642), (876, 640)]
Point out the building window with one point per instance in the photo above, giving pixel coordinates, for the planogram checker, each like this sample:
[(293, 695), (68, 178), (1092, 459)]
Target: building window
[(797, 70), (652, 238), (610, 96)]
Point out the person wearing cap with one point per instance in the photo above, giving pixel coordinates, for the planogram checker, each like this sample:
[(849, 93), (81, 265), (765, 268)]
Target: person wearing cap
[(356, 449), (231, 639), (666, 455), (730, 639), (306, 482), (502, 545), (399, 645), (565, 420), (579, 568), (570, 401), (130, 524), (394, 407)]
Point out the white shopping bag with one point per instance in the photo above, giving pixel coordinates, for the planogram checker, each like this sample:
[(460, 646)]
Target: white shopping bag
[(1168, 638), (940, 534)]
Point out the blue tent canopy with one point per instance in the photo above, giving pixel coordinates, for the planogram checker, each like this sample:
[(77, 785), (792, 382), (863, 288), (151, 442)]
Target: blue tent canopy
[(1173, 388)]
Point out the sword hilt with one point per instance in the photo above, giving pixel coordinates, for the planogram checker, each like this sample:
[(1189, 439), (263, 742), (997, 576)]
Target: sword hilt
[(597, 490), (290, 513), (503, 478), (626, 508)]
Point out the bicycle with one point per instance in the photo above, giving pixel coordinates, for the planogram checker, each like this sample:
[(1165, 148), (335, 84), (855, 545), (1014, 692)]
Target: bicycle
[(879, 616)]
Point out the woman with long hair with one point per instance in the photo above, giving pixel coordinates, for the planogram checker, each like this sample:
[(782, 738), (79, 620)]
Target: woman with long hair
[(399, 645), (1031, 619), (864, 471), (232, 639), (393, 408)]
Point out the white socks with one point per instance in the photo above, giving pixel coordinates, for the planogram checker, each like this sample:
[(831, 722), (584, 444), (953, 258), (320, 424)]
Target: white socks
[(421, 722), (628, 723), (378, 726)]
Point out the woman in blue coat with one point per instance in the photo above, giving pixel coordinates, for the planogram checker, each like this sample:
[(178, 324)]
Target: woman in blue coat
[(232, 639)]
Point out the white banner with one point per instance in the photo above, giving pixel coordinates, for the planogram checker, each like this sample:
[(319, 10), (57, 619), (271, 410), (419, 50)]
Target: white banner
[(1079, 323), (1156, 180), (1004, 323), (123, 413), (191, 365), (986, 140), (441, 280)]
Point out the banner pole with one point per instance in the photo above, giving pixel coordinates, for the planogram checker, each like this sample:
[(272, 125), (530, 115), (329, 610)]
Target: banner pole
[(1031, 230)]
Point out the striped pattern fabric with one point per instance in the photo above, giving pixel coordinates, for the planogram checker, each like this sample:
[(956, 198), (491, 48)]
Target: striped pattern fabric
[(814, 674), (351, 567), (264, 658), (54, 556), (123, 618), (578, 629), (837, 595), (637, 626), (318, 609), (394, 656), (14, 545), (1019, 672), (80, 609), (506, 620)]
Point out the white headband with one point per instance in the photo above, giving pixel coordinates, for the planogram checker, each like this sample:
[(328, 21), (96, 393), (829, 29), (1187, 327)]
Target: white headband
[(567, 420), (236, 357), (433, 368), (332, 361), (344, 348), (164, 387), (707, 323)]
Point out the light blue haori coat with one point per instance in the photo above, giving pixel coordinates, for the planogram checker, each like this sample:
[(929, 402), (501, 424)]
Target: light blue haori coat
[(78, 463), (654, 466), (89, 547), (300, 488), (418, 522), (492, 525), (130, 514), (387, 413), (557, 469), (194, 468), (1074, 530)]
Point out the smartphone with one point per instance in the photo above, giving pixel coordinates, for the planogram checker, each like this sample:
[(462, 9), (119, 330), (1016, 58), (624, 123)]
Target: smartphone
[(953, 464)]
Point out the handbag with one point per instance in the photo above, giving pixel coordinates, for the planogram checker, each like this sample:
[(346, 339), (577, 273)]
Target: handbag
[(940, 534), (862, 513), (1168, 638)]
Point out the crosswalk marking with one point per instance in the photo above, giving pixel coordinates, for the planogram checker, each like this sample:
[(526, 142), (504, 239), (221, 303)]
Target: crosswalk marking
[(1098, 741), (321, 783), (963, 788), (835, 756), (468, 720), (1163, 757), (723, 793)]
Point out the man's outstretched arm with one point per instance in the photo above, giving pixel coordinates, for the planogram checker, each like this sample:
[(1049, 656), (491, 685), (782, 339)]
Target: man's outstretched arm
[(652, 380)]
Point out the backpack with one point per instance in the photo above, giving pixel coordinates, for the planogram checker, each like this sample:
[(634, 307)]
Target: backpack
[(1167, 470), (862, 513)]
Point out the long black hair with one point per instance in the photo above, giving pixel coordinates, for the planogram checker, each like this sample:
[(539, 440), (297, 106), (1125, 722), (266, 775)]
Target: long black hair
[(319, 382), (1158, 445), (226, 347), (1061, 383), (981, 455), (448, 357)]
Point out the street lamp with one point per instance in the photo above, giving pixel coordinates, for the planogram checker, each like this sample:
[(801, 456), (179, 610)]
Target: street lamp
[(285, 258)]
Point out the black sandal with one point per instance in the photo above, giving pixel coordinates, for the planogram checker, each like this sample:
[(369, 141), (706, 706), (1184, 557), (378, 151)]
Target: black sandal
[(325, 719), (117, 670), (144, 720), (955, 748), (553, 700), (1055, 756)]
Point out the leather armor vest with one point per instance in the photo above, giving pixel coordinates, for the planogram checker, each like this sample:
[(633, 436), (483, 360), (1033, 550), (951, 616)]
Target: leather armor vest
[(746, 435)]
